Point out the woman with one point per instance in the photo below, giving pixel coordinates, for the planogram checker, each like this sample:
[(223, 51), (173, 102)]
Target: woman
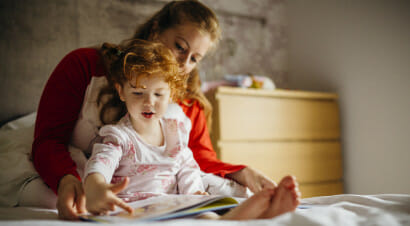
[(68, 113)]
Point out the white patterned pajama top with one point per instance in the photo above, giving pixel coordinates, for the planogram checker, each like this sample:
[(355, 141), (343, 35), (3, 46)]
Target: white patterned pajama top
[(169, 169)]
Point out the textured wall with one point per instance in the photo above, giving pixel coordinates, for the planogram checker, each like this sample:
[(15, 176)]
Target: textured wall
[(36, 34), (254, 40)]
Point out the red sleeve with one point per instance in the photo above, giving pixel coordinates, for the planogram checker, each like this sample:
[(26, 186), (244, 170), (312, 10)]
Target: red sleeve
[(201, 145), (58, 111)]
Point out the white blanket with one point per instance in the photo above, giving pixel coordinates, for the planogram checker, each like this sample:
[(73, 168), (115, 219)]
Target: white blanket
[(16, 137), (383, 210)]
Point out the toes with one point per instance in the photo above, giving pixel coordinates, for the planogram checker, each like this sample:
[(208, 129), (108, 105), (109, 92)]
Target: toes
[(288, 182), (294, 193), (285, 182)]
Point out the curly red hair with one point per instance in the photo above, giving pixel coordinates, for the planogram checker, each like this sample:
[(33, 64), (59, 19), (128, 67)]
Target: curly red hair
[(128, 63)]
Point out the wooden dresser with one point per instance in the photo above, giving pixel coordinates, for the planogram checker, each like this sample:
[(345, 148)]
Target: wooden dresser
[(281, 132)]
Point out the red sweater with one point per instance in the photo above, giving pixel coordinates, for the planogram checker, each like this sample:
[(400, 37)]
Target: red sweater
[(59, 109)]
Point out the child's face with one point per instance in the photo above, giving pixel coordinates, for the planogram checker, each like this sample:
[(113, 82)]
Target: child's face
[(149, 101)]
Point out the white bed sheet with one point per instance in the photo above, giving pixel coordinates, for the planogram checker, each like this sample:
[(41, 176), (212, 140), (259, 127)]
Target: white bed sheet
[(328, 210), (391, 210)]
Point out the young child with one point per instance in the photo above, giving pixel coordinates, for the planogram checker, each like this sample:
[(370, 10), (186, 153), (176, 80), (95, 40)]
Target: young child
[(146, 152)]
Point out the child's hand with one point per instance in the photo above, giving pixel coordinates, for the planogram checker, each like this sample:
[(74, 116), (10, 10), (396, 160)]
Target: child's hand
[(201, 193), (101, 197)]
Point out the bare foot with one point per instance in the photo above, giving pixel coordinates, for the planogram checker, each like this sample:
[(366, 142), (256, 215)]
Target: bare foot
[(286, 198), (251, 208)]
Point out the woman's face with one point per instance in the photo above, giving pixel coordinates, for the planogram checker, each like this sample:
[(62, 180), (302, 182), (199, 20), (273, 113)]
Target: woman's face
[(187, 43)]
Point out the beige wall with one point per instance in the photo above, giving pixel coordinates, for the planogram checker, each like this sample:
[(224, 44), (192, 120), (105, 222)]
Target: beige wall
[(361, 50), (35, 35)]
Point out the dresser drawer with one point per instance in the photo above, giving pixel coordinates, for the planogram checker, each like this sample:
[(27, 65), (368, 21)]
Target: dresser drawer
[(264, 117), (281, 133), (310, 162), (321, 189)]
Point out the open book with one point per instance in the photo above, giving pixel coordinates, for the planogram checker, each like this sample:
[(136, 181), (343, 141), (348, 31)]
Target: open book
[(167, 207)]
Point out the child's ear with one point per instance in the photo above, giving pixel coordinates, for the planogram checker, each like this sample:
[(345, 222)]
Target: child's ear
[(119, 89)]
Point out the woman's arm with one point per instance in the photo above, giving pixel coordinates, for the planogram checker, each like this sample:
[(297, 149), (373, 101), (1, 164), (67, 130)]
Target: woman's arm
[(204, 154), (201, 145), (57, 114), (58, 111)]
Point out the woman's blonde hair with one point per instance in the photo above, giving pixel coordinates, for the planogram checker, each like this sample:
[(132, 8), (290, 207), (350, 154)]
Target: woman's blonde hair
[(129, 63), (178, 13)]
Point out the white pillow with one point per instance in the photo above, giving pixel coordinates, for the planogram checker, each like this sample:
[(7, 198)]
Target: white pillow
[(16, 168), (23, 122)]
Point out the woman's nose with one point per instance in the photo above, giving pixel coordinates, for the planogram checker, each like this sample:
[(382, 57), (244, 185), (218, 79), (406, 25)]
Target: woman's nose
[(183, 62)]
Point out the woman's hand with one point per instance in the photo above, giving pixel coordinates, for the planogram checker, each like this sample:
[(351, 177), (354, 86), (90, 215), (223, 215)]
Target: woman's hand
[(70, 198), (252, 179), (101, 197)]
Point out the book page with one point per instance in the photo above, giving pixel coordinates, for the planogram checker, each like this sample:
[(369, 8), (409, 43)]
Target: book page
[(163, 205)]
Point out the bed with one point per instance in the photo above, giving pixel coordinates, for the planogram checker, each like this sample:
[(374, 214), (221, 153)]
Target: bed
[(344, 209), (327, 210)]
